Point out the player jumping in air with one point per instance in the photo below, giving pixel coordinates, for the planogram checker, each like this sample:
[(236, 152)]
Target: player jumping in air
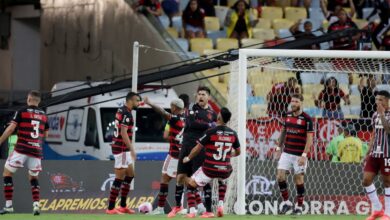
[(124, 154), (220, 144), (32, 127), (176, 122), (297, 138), (378, 158), (200, 118)]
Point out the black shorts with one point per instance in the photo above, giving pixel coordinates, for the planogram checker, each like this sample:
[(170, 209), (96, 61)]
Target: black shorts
[(192, 166)]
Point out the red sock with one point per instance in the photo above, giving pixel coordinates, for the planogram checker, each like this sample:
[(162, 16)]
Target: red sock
[(197, 198), (191, 197)]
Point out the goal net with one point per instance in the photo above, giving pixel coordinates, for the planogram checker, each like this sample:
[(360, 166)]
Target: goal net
[(260, 85)]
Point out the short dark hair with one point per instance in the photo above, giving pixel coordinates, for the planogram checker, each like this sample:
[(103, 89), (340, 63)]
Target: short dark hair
[(226, 114), (307, 22), (35, 93), (186, 99), (130, 95), (297, 96), (384, 93), (204, 88)]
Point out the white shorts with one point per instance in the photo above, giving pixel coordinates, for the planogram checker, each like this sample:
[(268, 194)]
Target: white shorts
[(170, 166), (290, 161), (16, 160), (123, 160)]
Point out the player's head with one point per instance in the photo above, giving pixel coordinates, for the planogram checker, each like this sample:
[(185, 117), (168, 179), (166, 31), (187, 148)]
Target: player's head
[(224, 115), (382, 98), (33, 98), (292, 82), (186, 100), (296, 102), (331, 83), (307, 26), (203, 96), (132, 100), (177, 105), (342, 15)]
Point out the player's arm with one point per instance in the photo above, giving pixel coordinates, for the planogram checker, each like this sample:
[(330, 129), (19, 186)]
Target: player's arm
[(236, 152), (309, 143), (8, 132), (353, 9), (157, 109), (166, 132), (194, 152), (281, 139), (126, 138)]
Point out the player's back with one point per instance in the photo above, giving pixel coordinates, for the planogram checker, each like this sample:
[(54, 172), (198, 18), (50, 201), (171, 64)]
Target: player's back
[(31, 124), (123, 118), (218, 143), (176, 126), (350, 150)]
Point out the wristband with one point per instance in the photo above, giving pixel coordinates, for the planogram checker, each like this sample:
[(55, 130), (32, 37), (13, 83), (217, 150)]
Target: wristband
[(278, 148), (304, 155)]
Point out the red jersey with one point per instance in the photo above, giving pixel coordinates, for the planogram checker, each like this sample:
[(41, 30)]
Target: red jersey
[(32, 123), (331, 98), (343, 45), (218, 143), (176, 126), (280, 98), (380, 148), (123, 118), (296, 128)]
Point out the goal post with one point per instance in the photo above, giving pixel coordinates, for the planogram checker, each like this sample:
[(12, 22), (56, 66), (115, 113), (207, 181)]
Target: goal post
[(263, 64)]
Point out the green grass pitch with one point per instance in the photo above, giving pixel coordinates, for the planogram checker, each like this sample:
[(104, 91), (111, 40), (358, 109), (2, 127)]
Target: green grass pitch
[(145, 217)]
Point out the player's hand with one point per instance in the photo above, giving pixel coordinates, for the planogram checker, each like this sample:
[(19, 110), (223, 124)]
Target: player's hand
[(380, 109), (146, 100), (302, 161), (133, 155), (212, 125), (277, 154), (186, 160)]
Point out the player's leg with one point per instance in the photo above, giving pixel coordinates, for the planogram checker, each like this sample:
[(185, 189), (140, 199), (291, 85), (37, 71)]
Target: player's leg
[(386, 184), (198, 179), (120, 173), (125, 188), (284, 164), (299, 175), (221, 196), (34, 167), (14, 161), (207, 191), (371, 168)]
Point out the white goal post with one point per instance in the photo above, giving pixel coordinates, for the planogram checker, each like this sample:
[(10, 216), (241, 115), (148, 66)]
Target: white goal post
[(237, 100)]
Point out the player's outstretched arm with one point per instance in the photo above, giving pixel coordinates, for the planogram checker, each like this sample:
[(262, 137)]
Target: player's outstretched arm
[(194, 152), (157, 108), (8, 131)]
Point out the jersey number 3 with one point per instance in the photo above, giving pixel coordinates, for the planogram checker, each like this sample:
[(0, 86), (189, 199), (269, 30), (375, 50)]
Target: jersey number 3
[(35, 125), (222, 151)]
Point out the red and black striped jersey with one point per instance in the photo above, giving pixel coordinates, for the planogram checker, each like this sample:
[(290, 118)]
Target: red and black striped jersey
[(380, 148), (176, 126), (123, 118), (31, 123), (296, 128), (218, 143)]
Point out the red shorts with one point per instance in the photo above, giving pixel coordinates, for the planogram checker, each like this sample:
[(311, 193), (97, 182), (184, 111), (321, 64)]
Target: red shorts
[(374, 165)]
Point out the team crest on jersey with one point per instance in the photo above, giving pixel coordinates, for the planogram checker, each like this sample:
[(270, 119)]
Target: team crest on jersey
[(127, 119), (299, 121)]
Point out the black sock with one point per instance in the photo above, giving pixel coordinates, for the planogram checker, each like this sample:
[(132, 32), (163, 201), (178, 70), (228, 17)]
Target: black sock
[(207, 197), (178, 195)]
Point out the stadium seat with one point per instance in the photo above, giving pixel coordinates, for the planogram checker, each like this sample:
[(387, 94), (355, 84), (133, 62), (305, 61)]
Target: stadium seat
[(252, 43), (310, 89), (258, 110), (173, 32), (271, 12), (211, 51), (214, 35), (254, 12), (264, 23), (354, 90), (183, 43), (383, 87), (355, 99), (282, 3), (212, 23), (284, 34), (355, 109), (226, 44), (360, 23), (198, 45), (311, 78), (221, 12), (295, 13), (281, 24), (263, 34)]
